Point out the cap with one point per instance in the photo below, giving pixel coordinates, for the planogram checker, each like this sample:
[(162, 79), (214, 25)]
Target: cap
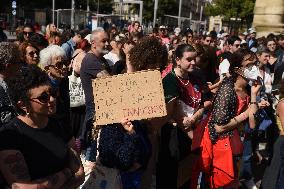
[(162, 27)]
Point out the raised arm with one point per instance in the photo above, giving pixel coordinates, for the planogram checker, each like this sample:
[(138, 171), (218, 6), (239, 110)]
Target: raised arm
[(16, 173)]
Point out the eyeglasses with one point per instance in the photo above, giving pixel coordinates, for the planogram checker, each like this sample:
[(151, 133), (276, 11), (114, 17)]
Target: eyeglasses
[(32, 53), (25, 33), (237, 45), (45, 96)]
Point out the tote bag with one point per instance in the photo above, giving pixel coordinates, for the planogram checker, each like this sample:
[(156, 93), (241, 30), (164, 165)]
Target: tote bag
[(76, 92)]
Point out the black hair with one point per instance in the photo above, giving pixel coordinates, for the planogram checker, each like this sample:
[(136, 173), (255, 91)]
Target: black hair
[(25, 79), (232, 39), (237, 58), (38, 41), (29, 26), (183, 48)]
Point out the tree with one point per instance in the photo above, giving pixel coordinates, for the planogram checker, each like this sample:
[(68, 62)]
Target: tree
[(242, 9), (164, 7)]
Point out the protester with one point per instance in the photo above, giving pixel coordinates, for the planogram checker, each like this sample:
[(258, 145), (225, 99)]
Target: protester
[(93, 66), (30, 53), (50, 28), (77, 110), (113, 55), (51, 163), (9, 63), (28, 31), (273, 176)]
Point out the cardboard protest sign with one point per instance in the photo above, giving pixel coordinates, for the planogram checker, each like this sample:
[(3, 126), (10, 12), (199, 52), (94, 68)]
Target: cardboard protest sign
[(136, 95)]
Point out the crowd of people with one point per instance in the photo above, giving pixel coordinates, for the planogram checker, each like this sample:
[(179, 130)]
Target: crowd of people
[(224, 96)]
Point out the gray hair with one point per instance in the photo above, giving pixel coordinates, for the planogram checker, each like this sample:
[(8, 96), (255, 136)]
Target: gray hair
[(48, 53), (9, 54), (96, 32)]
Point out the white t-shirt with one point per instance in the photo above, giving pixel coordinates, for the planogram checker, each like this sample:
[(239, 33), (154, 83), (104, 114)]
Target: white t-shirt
[(111, 58)]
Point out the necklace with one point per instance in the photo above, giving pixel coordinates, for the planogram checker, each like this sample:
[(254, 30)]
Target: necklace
[(183, 82)]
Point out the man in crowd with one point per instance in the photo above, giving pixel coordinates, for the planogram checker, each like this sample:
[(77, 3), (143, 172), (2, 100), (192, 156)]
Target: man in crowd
[(93, 66)]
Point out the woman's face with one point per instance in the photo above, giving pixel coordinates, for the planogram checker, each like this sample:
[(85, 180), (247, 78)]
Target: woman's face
[(57, 69), (271, 45), (31, 56), (52, 28), (42, 101), (187, 62)]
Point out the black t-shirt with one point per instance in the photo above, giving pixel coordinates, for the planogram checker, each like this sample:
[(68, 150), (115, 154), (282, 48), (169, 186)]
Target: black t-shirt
[(91, 66), (118, 67), (45, 150)]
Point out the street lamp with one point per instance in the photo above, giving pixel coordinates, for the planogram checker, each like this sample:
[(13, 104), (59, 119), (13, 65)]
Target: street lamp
[(98, 6), (53, 7), (179, 13), (155, 12)]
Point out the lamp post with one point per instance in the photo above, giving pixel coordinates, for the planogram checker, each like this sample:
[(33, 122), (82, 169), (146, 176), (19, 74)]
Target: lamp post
[(155, 12), (179, 13), (98, 6), (53, 9), (72, 13)]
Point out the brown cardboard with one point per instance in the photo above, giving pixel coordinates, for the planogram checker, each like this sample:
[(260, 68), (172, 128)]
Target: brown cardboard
[(136, 96)]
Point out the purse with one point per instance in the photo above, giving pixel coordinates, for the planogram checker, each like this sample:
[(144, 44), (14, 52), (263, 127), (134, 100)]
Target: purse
[(237, 145), (76, 92)]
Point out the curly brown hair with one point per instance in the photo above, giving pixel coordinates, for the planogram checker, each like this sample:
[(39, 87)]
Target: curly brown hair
[(149, 53), (23, 49)]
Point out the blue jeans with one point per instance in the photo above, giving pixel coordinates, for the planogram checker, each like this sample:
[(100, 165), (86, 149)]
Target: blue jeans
[(246, 169)]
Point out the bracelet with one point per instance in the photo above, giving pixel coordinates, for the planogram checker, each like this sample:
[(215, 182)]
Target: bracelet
[(253, 103)]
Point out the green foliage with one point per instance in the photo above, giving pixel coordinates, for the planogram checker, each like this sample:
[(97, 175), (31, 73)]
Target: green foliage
[(164, 7), (231, 8)]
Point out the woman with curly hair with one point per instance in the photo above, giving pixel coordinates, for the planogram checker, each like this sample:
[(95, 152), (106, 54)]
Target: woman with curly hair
[(30, 53), (34, 149), (126, 146)]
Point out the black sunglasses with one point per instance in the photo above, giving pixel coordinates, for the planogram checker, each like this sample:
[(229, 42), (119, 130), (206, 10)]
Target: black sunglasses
[(25, 33), (45, 96), (32, 53)]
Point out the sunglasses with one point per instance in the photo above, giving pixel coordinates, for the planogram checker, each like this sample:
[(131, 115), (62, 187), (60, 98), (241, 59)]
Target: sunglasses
[(45, 96), (237, 45), (25, 33), (32, 53)]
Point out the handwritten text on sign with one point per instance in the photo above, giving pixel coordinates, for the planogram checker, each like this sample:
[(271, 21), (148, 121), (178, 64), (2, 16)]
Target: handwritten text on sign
[(136, 96)]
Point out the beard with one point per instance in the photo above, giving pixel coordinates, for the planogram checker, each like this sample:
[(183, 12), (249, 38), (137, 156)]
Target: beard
[(104, 51)]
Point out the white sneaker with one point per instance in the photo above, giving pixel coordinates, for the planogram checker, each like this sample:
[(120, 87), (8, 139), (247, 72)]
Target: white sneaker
[(250, 184)]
